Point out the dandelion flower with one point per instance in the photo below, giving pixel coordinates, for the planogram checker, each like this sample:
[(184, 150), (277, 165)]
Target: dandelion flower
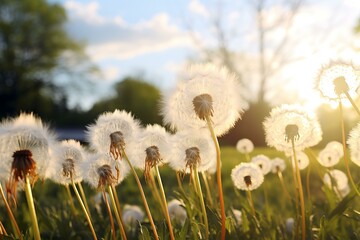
[(337, 78), (26, 146), (193, 148), (112, 131), (302, 159), (336, 146), (205, 92), (177, 211), (289, 123), (354, 144), (338, 179), (277, 164), (247, 176), (245, 146), (65, 165), (328, 157), (132, 214), (263, 162)]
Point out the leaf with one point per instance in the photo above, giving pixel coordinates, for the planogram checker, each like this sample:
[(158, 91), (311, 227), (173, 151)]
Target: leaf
[(145, 235), (343, 205)]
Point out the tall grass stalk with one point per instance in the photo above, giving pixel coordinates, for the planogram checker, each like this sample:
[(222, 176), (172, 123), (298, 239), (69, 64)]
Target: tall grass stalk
[(31, 205)]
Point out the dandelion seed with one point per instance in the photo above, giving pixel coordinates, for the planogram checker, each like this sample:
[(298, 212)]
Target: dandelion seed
[(132, 215), (247, 176), (263, 162), (277, 164), (200, 95), (328, 157), (302, 159), (354, 144), (177, 212), (245, 146), (338, 179), (291, 122)]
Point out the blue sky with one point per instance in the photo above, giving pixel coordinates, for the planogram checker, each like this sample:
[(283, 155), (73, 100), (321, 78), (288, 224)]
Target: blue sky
[(157, 38)]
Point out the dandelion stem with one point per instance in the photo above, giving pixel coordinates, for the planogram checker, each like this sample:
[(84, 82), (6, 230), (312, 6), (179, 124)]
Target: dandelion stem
[(251, 203), (208, 191), (142, 195), (301, 193), (281, 178), (156, 192), (178, 178), (266, 201), (11, 215), (70, 199), (247, 156), (201, 198), (218, 177), (167, 216), (117, 214), (352, 102), (308, 185), (344, 148), (3, 230), (83, 196), (30, 202), (110, 214), (84, 209)]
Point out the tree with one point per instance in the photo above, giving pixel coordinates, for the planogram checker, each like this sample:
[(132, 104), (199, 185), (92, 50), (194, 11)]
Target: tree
[(136, 96), (33, 43)]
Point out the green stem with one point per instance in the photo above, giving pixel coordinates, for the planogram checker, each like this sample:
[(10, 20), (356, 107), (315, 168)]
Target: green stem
[(281, 178), (352, 103), (218, 177), (167, 216), (110, 214), (156, 193), (30, 202), (84, 209), (308, 185), (117, 214), (247, 156), (251, 203), (142, 195), (208, 191), (201, 198), (178, 178), (11, 215), (70, 199), (83, 196), (344, 148), (301, 193)]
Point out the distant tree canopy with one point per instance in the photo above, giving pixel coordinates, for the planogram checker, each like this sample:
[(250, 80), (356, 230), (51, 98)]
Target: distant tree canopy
[(32, 42), (134, 95)]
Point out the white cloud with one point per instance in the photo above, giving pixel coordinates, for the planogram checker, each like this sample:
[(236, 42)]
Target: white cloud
[(196, 7)]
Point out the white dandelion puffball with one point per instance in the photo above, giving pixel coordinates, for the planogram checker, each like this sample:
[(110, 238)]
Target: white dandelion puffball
[(338, 179), (247, 176), (302, 159), (291, 122), (341, 193), (153, 136), (92, 169), (328, 157), (238, 217), (190, 148), (289, 225), (131, 215), (245, 146), (354, 144), (336, 146), (66, 162), (263, 162), (219, 95), (277, 164), (337, 78), (98, 134), (26, 137), (177, 212)]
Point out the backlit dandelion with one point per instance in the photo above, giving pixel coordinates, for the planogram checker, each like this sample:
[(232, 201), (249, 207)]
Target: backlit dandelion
[(277, 164), (328, 157), (263, 162), (354, 144), (177, 212), (302, 159), (245, 146), (336, 179), (247, 176), (336, 146)]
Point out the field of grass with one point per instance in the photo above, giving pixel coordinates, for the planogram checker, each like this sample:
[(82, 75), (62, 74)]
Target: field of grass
[(57, 221)]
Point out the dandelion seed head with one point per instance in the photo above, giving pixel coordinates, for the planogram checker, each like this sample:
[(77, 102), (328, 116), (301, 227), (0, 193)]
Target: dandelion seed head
[(277, 164), (328, 157), (343, 192), (291, 122), (302, 159), (247, 176), (112, 129), (245, 146), (200, 94), (193, 147), (336, 146), (132, 214), (354, 144), (263, 162), (337, 78), (338, 179), (289, 225), (177, 212)]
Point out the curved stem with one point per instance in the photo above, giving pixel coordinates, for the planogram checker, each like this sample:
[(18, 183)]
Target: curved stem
[(201, 198), (301, 193), (84, 209), (30, 202), (344, 148), (117, 214), (70, 199), (82, 193), (208, 191), (167, 216), (218, 177), (142, 195), (110, 214), (11, 215)]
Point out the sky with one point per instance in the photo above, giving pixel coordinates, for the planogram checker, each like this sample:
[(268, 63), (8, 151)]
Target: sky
[(156, 39)]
